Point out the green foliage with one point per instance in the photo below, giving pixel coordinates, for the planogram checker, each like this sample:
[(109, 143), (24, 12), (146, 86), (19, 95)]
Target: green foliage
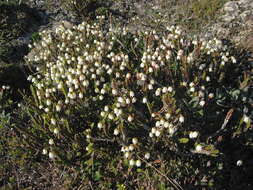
[(207, 10), (201, 13), (35, 37), (194, 15)]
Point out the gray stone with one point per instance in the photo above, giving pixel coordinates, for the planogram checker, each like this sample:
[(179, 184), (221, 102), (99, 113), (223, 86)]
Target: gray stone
[(231, 6), (244, 3), (228, 17), (245, 15)]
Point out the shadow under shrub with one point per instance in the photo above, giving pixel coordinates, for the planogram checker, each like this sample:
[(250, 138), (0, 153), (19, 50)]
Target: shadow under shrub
[(153, 110)]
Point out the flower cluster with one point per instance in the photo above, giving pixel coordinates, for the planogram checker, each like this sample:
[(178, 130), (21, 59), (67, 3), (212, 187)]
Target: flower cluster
[(136, 90)]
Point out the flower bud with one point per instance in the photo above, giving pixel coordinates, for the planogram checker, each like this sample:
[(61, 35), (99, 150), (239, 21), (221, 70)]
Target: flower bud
[(138, 163), (147, 155), (51, 141), (132, 162), (51, 155), (134, 140), (44, 151), (56, 131)]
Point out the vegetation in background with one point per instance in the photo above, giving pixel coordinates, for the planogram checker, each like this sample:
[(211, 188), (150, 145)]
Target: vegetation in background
[(83, 9), (193, 15)]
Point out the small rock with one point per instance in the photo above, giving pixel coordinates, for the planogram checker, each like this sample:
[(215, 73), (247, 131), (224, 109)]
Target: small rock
[(231, 6), (228, 17), (65, 23), (249, 21), (245, 15), (245, 3)]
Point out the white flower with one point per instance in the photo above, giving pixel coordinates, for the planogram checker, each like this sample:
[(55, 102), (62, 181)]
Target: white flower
[(211, 95), (166, 124), (131, 162), (110, 116), (102, 113), (134, 140), (181, 119), (208, 79), (190, 58), (233, 59), (48, 102), (162, 122), (123, 149), (100, 125), (106, 108), (157, 133), (114, 92), (144, 100), (165, 89), (51, 155), (201, 94), (127, 154), (51, 141), (58, 108), (172, 130), (198, 148), (167, 115), (153, 130), (116, 110), (150, 86), (131, 94), (193, 134), (246, 119), (130, 118), (150, 70), (131, 147), (53, 121), (128, 101), (157, 123), (184, 83), (116, 132), (147, 155), (80, 95), (44, 151), (180, 53), (192, 89), (121, 100), (191, 84), (56, 131), (119, 112), (88, 136), (239, 162), (158, 92), (138, 163), (170, 89), (128, 75), (202, 103)]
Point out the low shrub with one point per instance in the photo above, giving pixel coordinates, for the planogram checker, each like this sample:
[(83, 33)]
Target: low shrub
[(154, 106)]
